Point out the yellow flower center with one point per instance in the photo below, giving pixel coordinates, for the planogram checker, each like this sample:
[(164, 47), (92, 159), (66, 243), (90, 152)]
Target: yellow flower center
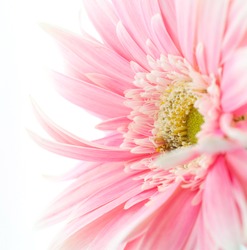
[(178, 120), (193, 123)]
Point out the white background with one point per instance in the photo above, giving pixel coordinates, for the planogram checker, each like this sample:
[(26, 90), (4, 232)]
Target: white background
[(26, 53)]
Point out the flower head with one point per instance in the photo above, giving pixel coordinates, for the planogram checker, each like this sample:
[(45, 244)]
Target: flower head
[(169, 82)]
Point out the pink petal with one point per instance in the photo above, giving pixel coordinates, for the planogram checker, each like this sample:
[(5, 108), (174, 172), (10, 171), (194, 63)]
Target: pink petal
[(233, 86), (130, 12), (238, 132), (100, 102), (80, 51), (161, 37), (114, 221), (172, 230), (210, 34), (219, 209), (109, 83), (143, 217), (168, 12), (236, 28), (84, 153), (58, 133), (114, 123), (187, 18), (199, 237), (83, 238), (112, 140), (137, 54), (237, 163), (66, 137), (104, 18), (176, 157)]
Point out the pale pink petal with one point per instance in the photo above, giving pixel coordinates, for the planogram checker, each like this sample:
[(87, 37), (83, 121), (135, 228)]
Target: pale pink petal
[(135, 244), (236, 28), (137, 54), (79, 192), (168, 12), (173, 230), (145, 195), (131, 12), (233, 86), (103, 81), (82, 239), (81, 224), (58, 133), (176, 157), (199, 238), (114, 123), (214, 145), (149, 8), (219, 209), (80, 169), (161, 37), (237, 163), (240, 199), (97, 56), (63, 136), (112, 140), (210, 31), (104, 18), (201, 57), (84, 153), (100, 102), (143, 217), (237, 133), (187, 18)]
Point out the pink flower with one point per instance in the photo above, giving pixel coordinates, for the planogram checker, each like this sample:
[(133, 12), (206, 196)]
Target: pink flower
[(169, 82)]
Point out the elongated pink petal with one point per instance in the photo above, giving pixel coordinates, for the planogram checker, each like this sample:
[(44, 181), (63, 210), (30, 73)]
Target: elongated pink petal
[(173, 230), (233, 86), (176, 157), (104, 18), (58, 133), (237, 163), (84, 153), (97, 56), (236, 29), (100, 102), (199, 238), (106, 82), (83, 198), (162, 38), (210, 34), (137, 54), (219, 208), (143, 216), (129, 13), (114, 123), (63, 136), (187, 17), (83, 238), (80, 225), (168, 12)]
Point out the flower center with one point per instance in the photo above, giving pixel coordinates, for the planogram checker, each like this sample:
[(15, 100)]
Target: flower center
[(178, 120)]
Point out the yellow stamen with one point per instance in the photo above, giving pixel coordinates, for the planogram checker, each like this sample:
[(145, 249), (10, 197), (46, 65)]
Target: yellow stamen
[(178, 120), (194, 122)]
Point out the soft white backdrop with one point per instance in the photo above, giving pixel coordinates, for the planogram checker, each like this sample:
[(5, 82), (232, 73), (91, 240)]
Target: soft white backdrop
[(26, 54)]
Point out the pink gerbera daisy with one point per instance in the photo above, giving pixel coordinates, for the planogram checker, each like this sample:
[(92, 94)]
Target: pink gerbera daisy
[(169, 82)]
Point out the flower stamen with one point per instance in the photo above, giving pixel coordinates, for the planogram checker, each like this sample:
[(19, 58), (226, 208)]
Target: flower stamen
[(178, 120)]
